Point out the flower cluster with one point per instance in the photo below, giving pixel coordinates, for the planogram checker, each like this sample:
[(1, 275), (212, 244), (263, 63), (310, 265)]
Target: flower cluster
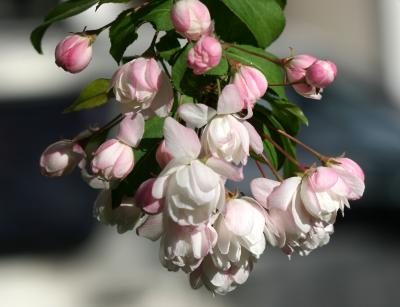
[(203, 228)]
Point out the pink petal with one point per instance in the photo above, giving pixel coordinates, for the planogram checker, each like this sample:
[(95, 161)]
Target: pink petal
[(181, 141), (261, 188), (230, 100), (323, 179), (131, 129)]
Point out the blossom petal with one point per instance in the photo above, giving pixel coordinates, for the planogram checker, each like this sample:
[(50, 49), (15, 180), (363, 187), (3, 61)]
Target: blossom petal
[(151, 228), (181, 141), (282, 196), (226, 169), (230, 100), (196, 115), (256, 142), (261, 188), (131, 129)]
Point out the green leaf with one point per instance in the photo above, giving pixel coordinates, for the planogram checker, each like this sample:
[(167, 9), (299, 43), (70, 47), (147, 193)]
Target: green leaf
[(94, 94), (180, 67), (123, 29), (159, 14), (253, 56), (264, 18), (146, 165), (236, 32), (168, 45), (220, 70), (282, 3), (60, 12), (101, 2), (122, 34)]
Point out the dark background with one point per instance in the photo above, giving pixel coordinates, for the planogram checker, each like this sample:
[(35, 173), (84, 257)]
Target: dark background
[(53, 253)]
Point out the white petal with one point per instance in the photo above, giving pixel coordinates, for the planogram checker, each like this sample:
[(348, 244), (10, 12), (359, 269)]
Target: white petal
[(282, 196), (196, 115), (151, 228), (256, 142), (226, 169)]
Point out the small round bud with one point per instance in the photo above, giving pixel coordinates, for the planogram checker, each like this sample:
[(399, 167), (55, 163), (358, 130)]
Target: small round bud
[(296, 66), (144, 198), (191, 18), (74, 53), (321, 74), (61, 158), (205, 55)]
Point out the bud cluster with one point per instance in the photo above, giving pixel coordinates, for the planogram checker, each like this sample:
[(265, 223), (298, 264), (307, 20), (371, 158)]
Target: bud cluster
[(213, 234)]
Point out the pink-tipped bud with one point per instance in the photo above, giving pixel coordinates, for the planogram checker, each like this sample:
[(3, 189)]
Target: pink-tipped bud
[(74, 53), (321, 74), (163, 156), (251, 84), (191, 18), (61, 158), (205, 55), (144, 198), (113, 160)]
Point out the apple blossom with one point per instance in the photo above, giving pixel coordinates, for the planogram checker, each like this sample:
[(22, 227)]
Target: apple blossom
[(125, 216), (61, 158), (240, 227), (205, 55), (74, 53), (251, 83), (184, 247), (191, 18), (222, 281), (141, 85)]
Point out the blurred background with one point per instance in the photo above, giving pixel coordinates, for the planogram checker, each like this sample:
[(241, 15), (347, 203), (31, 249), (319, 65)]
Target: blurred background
[(53, 253)]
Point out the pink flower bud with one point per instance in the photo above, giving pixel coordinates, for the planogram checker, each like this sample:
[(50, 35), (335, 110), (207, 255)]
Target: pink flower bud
[(113, 160), (144, 198), (74, 53), (191, 18), (251, 84), (205, 55), (321, 74), (296, 66), (61, 158), (163, 156)]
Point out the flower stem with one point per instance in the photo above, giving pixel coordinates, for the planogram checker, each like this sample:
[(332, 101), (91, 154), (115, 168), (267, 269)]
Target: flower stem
[(284, 152), (306, 147), (272, 168), (260, 168)]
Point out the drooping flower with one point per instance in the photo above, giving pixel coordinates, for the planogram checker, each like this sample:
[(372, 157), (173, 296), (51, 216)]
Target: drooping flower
[(61, 158), (125, 216), (141, 85)]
